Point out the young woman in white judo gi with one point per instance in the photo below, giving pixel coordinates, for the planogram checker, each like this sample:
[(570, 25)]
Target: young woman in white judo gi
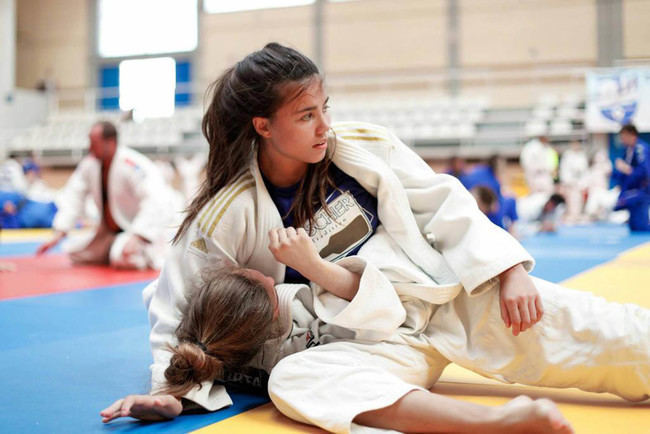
[(270, 137)]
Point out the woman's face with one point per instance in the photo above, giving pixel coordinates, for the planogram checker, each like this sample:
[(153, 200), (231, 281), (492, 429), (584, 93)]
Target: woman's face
[(296, 134), (269, 285)]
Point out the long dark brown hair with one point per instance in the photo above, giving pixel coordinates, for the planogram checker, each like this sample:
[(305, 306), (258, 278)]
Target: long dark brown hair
[(223, 327), (257, 86)]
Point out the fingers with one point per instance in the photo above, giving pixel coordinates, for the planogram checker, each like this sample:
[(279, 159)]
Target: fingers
[(42, 249), (282, 236), (143, 407), (126, 405), (525, 315), (532, 309), (539, 307), (532, 313), (274, 243), (535, 311), (113, 407), (521, 312), (504, 313), (515, 317), (112, 411)]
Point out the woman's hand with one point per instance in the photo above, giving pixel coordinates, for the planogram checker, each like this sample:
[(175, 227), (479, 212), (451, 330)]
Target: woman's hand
[(521, 306), (294, 248), (133, 245), (144, 407), (56, 238)]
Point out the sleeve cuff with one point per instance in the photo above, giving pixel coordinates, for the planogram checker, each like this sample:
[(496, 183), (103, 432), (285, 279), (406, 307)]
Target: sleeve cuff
[(487, 278), (376, 308)]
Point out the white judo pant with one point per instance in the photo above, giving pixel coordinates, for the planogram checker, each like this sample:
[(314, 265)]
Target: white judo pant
[(582, 341)]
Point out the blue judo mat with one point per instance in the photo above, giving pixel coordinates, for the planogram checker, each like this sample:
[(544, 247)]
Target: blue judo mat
[(67, 356), (21, 249)]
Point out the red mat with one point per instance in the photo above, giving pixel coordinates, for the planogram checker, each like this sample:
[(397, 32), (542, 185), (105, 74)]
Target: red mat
[(50, 274)]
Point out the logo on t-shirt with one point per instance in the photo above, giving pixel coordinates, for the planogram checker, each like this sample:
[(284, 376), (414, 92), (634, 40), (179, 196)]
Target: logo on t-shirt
[(347, 228)]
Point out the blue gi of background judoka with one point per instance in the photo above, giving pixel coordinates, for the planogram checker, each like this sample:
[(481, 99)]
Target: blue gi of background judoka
[(632, 174)]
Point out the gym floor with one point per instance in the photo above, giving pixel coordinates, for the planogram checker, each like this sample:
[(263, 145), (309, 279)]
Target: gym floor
[(76, 338)]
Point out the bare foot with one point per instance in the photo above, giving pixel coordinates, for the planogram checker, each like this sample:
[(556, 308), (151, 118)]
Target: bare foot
[(524, 415)]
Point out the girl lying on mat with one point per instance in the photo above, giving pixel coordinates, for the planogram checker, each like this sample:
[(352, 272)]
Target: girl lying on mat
[(436, 281)]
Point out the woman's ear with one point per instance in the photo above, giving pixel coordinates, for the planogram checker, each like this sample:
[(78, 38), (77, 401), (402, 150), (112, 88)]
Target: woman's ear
[(262, 126)]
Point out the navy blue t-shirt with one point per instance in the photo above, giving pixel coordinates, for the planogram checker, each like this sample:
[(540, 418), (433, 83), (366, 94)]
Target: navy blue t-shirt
[(353, 218)]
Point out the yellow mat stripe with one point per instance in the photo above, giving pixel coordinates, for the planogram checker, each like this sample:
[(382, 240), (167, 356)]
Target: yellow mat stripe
[(263, 420), (625, 279), (25, 235)]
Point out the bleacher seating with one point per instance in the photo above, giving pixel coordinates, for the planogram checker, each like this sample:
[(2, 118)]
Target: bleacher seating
[(426, 122), (561, 116), (417, 121), (64, 136)]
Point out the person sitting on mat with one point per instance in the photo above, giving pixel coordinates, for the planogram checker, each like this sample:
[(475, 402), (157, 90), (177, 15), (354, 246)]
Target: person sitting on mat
[(133, 200)]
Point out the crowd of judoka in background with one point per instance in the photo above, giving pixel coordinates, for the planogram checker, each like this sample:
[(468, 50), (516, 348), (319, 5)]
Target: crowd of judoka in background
[(579, 187)]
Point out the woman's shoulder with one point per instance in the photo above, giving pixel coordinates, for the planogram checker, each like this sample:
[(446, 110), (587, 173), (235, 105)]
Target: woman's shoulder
[(361, 131), (228, 206), (360, 137)]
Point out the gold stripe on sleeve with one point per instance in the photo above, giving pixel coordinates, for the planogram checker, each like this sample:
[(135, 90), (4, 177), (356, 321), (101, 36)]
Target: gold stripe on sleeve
[(365, 138), (219, 199), (224, 208)]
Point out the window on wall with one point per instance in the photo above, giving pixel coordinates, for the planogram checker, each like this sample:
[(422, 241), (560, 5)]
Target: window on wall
[(143, 27), (115, 93), (147, 86)]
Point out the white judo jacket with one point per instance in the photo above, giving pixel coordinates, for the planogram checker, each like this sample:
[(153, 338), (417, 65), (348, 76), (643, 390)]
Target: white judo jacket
[(574, 167), (137, 194), (443, 244)]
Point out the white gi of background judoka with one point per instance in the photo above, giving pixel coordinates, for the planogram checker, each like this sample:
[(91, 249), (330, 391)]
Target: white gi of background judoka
[(140, 202), (600, 198), (573, 169), (138, 212), (538, 161), (12, 177)]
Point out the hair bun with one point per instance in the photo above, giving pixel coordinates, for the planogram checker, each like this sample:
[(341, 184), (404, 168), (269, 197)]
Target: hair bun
[(189, 363)]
